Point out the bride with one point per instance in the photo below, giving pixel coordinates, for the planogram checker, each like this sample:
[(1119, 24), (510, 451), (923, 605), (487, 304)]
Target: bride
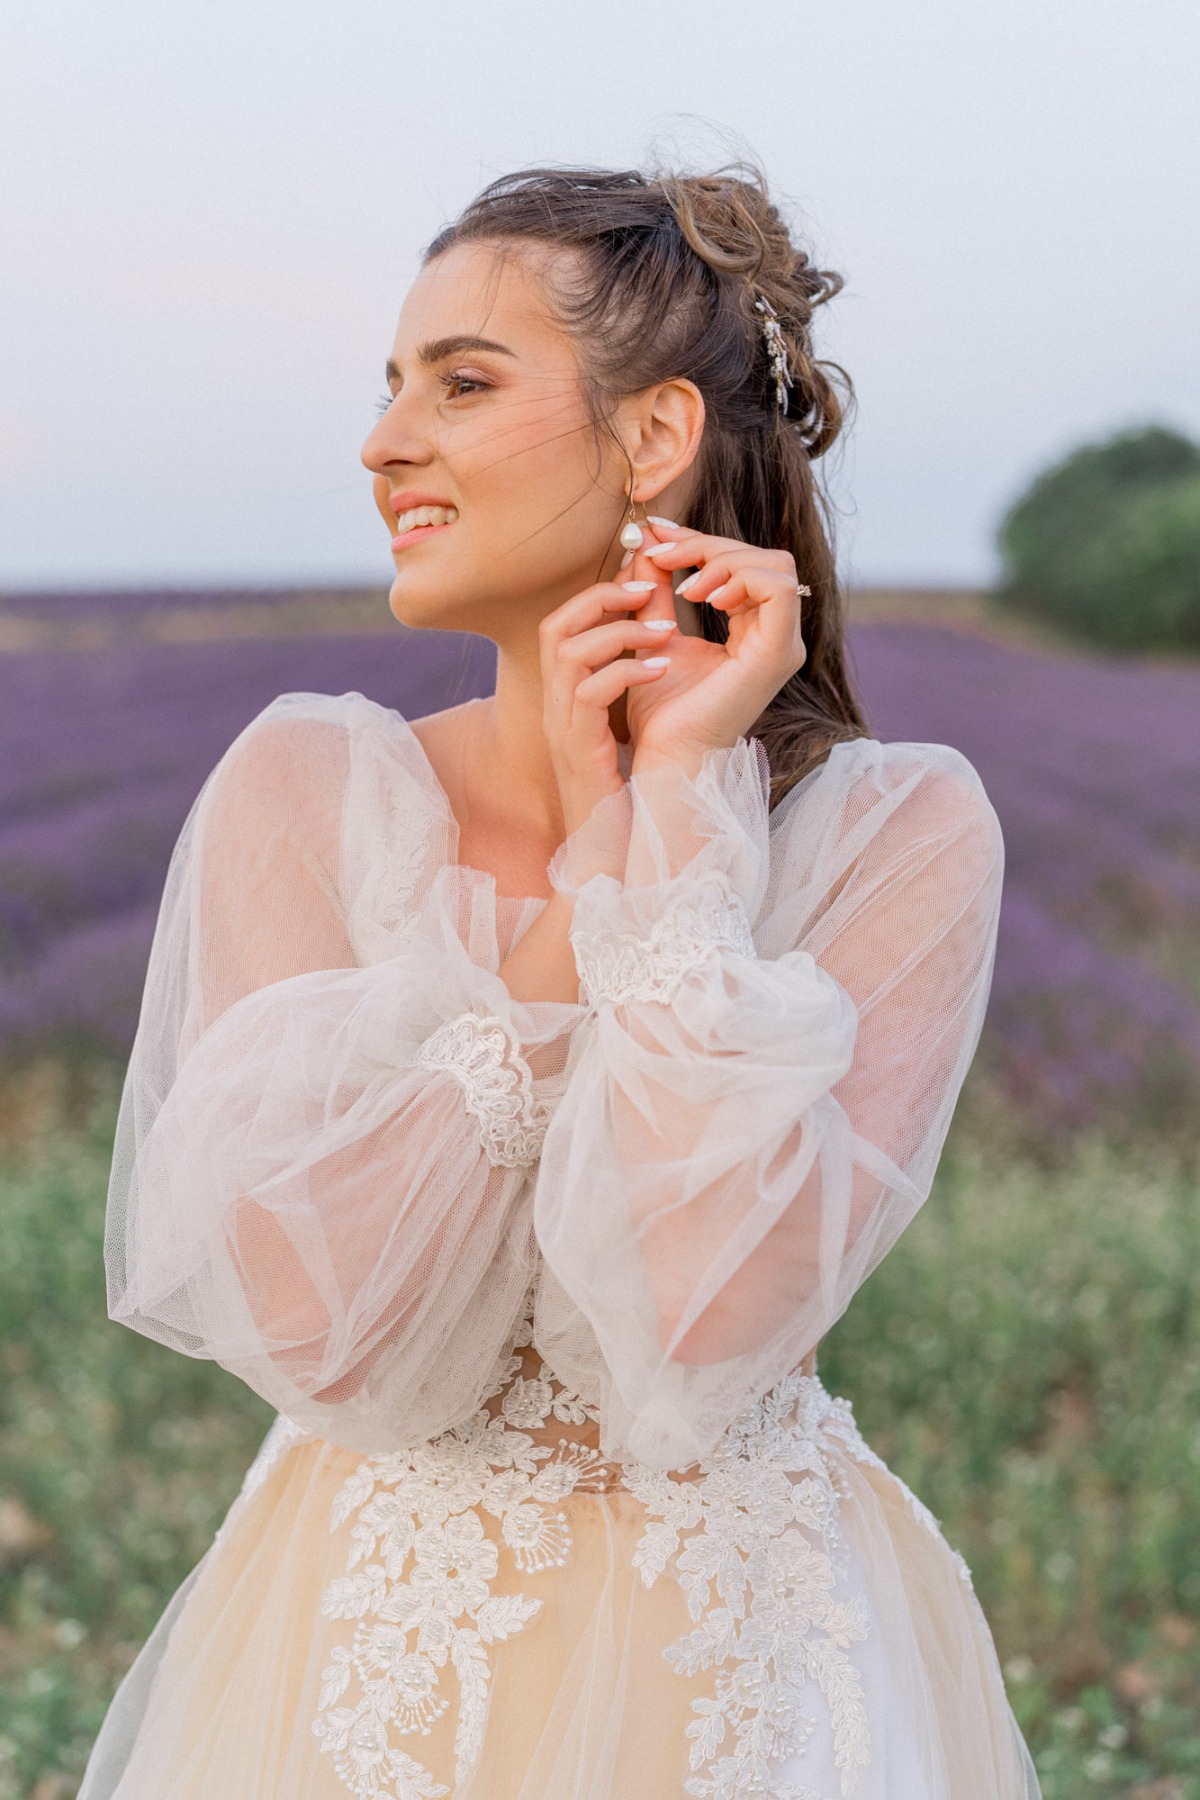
[(521, 1092)]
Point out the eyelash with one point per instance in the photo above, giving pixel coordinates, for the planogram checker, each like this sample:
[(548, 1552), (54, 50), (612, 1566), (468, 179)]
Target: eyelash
[(467, 381)]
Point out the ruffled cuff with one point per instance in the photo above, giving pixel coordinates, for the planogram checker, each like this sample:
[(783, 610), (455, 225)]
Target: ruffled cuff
[(616, 965), (497, 1084), (507, 1056), (667, 873)]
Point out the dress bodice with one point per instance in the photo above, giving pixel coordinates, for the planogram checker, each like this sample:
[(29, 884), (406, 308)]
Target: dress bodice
[(528, 1397)]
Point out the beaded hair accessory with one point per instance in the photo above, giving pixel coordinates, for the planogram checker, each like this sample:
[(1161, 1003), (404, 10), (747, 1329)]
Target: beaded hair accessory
[(777, 353)]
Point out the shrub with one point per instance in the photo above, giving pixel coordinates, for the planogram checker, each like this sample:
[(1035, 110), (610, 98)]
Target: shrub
[(1107, 544)]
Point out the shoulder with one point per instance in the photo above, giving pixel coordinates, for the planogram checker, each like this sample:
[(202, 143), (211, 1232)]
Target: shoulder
[(938, 830), (901, 803), (294, 759), (925, 777), (299, 730)]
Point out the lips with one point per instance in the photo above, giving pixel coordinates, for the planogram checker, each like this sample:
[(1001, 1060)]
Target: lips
[(418, 515), (414, 517)]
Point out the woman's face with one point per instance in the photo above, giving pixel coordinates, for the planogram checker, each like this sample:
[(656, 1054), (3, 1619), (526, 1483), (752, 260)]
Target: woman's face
[(488, 422)]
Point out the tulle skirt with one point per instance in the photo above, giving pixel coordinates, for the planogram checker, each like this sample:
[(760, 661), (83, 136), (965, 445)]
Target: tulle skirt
[(484, 1622)]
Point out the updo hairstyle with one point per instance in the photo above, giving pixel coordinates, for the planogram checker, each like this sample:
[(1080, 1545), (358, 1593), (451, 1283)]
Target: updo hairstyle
[(663, 282)]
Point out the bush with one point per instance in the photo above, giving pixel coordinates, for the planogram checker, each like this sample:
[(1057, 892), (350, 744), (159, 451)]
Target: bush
[(1107, 544)]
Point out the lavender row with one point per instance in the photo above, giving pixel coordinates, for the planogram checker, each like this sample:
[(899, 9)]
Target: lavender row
[(1091, 762), (81, 606)]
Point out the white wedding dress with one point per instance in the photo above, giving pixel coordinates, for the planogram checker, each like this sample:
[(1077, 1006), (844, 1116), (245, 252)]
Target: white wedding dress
[(556, 1506)]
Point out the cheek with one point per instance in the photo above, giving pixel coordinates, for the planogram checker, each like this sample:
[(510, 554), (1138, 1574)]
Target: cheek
[(530, 450), (379, 490)]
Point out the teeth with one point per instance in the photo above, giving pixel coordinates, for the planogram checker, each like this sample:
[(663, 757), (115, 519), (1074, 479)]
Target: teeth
[(424, 515)]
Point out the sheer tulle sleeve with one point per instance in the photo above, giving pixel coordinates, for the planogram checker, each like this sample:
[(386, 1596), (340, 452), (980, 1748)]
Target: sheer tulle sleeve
[(333, 1109), (784, 1013)]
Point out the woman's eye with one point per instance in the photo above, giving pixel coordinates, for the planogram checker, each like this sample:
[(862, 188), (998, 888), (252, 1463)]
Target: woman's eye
[(383, 402), (457, 385)]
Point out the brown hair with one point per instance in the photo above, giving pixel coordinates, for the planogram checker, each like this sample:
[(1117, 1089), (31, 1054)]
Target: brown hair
[(665, 276)]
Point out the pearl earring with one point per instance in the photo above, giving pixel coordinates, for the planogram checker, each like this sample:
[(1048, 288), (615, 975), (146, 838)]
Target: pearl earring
[(632, 535)]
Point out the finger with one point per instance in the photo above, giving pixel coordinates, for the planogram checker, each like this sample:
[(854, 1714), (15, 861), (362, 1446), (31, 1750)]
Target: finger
[(665, 534), (686, 537), (592, 649), (773, 608), (691, 551), (574, 659), (592, 607), (711, 572), (706, 580), (606, 685)]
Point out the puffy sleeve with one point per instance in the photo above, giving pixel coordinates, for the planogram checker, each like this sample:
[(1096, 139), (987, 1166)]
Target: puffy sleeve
[(785, 1010), (322, 1175)]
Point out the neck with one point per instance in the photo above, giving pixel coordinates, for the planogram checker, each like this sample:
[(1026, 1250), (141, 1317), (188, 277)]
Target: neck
[(511, 741)]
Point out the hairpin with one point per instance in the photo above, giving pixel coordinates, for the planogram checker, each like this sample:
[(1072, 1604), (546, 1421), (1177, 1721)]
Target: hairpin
[(776, 351)]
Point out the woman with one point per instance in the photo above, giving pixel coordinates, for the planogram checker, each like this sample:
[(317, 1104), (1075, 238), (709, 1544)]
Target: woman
[(522, 1092)]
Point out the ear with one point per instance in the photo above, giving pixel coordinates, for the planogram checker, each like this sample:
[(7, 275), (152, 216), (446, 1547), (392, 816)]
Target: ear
[(663, 429)]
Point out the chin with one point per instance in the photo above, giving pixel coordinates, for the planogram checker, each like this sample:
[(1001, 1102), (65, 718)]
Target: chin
[(424, 607)]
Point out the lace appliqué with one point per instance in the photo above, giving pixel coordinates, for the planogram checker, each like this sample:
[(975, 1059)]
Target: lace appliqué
[(497, 1086), (757, 1549), (617, 966), (420, 1572), (752, 1536)]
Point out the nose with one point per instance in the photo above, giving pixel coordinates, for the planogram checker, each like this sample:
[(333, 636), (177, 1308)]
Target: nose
[(393, 441)]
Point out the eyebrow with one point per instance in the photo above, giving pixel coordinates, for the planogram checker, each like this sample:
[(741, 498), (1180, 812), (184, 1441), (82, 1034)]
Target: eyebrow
[(438, 349)]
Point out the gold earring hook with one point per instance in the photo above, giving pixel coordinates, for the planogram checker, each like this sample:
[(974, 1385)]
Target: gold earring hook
[(632, 535)]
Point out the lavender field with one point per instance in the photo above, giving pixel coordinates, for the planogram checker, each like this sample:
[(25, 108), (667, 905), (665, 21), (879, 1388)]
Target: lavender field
[(1027, 1358), (1091, 761)]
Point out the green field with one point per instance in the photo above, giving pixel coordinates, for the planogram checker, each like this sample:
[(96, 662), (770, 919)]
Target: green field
[(1028, 1359)]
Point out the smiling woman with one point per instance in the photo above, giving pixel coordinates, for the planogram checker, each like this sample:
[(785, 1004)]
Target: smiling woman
[(521, 1093)]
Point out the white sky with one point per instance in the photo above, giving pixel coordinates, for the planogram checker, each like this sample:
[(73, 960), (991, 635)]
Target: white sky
[(209, 213)]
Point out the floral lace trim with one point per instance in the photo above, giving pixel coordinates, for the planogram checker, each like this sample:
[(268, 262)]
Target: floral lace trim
[(281, 1435), (618, 966), (843, 1423), (419, 1575), (497, 1086), (754, 1543), (756, 1547)]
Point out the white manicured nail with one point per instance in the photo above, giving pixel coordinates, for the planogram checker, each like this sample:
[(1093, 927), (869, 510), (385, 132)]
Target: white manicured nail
[(660, 624), (669, 523), (639, 587), (658, 549), (717, 592), (690, 582), (655, 662)]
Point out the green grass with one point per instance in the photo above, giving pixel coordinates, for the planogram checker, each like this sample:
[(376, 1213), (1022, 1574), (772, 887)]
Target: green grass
[(118, 1458), (1028, 1359)]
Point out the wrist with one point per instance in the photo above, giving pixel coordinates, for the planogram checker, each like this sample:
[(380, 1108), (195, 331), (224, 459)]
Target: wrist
[(687, 758), (580, 800)]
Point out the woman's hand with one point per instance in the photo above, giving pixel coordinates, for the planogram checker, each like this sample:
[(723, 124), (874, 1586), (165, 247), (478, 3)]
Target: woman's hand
[(585, 668), (712, 693)]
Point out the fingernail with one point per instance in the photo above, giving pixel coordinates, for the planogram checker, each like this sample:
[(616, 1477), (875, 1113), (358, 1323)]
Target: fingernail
[(690, 582), (658, 549), (669, 523), (717, 592), (626, 559), (655, 662), (660, 624), (639, 587)]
